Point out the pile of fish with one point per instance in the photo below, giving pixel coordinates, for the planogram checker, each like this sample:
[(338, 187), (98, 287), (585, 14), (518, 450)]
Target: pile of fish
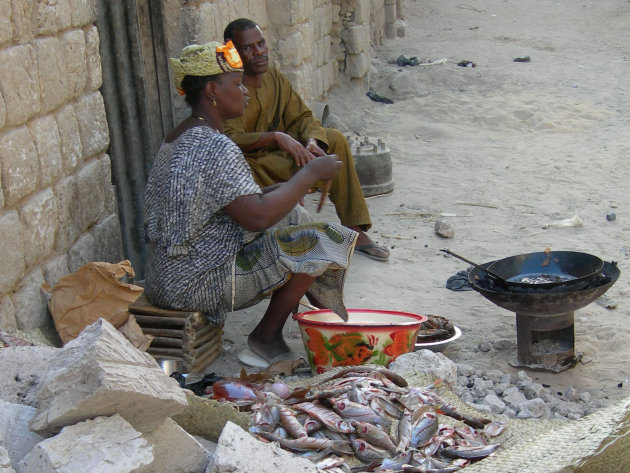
[(363, 419)]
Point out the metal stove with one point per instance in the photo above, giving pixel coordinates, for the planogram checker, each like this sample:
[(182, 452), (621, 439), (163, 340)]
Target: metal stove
[(544, 320)]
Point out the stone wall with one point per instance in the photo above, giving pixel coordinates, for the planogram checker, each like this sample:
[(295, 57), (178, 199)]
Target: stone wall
[(312, 41), (57, 204)]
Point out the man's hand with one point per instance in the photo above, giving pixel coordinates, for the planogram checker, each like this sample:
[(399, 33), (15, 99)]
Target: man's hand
[(299, 153), (314, 148)]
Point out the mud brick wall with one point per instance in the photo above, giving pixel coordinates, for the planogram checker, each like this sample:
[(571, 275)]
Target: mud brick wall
[(57, 203)]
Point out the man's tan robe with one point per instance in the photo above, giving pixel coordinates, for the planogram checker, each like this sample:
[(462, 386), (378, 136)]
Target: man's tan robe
[(277, 107)]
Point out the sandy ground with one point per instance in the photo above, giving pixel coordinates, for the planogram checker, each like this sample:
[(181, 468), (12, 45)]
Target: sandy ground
[(532, 142)]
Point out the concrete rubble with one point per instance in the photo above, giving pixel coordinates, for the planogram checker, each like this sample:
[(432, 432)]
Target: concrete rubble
[(101, 374), (22, 369), (15, 436)]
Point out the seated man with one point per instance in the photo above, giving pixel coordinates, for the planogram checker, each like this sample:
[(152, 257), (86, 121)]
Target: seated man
[(278, 134)]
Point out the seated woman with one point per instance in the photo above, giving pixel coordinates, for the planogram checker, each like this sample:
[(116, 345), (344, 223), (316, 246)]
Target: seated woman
[(217, 242)]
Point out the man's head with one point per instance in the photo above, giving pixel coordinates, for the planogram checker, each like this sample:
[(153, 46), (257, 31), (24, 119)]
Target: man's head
[(250, 43)]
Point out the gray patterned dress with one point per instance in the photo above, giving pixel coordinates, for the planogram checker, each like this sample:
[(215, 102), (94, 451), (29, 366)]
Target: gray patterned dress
[(199, 258)]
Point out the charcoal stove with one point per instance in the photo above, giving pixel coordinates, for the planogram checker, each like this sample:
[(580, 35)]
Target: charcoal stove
[(544, 320)]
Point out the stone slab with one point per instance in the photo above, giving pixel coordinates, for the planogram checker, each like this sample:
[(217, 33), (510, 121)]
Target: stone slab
[(22, 370), (176, 451), (15, 435)]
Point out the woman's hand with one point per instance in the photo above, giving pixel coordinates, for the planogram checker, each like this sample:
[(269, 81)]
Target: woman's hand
[(324, 168)]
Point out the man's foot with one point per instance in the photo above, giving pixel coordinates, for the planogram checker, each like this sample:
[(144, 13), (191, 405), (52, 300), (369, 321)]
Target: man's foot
[(370, 249), (270, 351)]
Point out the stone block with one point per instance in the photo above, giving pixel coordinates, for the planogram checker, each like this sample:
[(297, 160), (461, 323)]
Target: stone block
[(21, 14), (7, 314), (11, 251), (362, 11), (83, 251), (257, 10), (495, 404), (84, 12), (45, 135), (69, 138), (175, 450), (356, 65), (19, 83), (67, 194), (51, 17), (39, 225), (3, 121), (22, 369), (238, 450), (6, 28), (76, 61), (513, 397), (14, 432), (108, 240), (31, 310), (90, 111), (104, 445), (208, 21), (56, 268), (288, 12), (444, 228), (356, 38), (533, 408), (101, 373), (110, 204), (434, 364), (93, 58), (90, 194), (286, 51), (51, 64), (19, 164), (5, 461)]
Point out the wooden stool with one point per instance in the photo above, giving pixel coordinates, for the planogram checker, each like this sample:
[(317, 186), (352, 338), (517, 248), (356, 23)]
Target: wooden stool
[(179, 335)]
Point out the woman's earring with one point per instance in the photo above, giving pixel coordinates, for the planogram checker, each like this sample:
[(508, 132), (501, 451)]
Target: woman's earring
[(214, 102)]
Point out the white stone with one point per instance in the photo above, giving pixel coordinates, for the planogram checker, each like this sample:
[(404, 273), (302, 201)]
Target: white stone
[(238, 451), (495, 404), (51, 17), (357, 65), (513, 397), (108, 240), (103, 445), (6, 29), (11, 250), (76, 64), (82, 252), (15, 435), (30, 304), (90, 111), (22, 369), (94, 70), (19, 82), (90, 194), (356, 38), (83, 12), (67, 193), (45, 135), (175, 450), (444, 228), (533, 408), (7, 314), (532, 390), (69, 138), (101, 373), (39, 225), (22, 20), (51, 65), (433, 364), (465, 370), (5, 461), (56, 268), (19, 164)]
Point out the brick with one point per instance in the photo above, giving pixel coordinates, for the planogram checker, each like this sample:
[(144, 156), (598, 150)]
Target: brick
[(11, 251), (103, 444), (108, 240), (51, 64), (30, 305), (84, 12), (7, 314), (90, 194), (19, 165), (55, 269), (83, 251), (69, 138), (66, 193), (21, 14), (356, 65), (19, 83), (115, 377), (90, 111), (356, 38), (45, 135), (39, 225), (76, 61), (93, 58), (6, 28), (51, 17)]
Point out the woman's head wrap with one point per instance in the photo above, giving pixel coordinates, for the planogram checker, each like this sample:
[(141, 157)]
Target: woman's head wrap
[(205, 60)]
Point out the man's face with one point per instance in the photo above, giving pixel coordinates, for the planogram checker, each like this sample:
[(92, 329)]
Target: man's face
[(252, 48)]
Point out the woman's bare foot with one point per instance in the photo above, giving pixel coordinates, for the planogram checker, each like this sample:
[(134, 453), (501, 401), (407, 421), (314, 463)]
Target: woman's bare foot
[(269, 350)]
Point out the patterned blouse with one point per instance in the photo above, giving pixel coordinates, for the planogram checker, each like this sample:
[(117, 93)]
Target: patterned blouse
[(192, 241)]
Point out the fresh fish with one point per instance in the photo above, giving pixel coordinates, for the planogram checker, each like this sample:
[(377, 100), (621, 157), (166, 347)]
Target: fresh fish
[(281, 432), (396, 463), (352, 410), (366, 452), (469, 453), (290, 422), (327, 417), (374, 436), (309, 443), (387, 406), (404, 433), (494, 428), (329, 462), (267, 417), (451, 411), (470, 437), (312, 425), (424, 425)]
